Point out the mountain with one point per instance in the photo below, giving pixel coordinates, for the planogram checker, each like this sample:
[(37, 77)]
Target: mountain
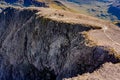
[(52, 44), (104, 9), (59, 40), (39, 3), (114, 9)]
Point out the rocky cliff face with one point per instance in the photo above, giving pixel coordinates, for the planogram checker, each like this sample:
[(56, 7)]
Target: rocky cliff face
[(36, 48)]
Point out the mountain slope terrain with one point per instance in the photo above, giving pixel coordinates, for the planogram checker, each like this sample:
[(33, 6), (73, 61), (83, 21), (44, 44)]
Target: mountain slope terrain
[(50, 44), (104, 9)]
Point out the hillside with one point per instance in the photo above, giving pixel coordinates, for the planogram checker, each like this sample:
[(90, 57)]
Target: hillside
[(104, 9), (50, 44)]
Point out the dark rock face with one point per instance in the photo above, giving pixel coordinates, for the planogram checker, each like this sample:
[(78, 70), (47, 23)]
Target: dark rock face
[(36, 48)]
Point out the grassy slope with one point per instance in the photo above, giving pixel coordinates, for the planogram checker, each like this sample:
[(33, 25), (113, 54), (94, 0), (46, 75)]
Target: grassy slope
[(57, 5)]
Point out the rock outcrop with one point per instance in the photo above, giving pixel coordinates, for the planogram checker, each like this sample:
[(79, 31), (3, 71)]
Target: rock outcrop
[(33, 47)]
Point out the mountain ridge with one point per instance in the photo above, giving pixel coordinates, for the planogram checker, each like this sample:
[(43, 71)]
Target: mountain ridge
[(104, 9), (49, 44)]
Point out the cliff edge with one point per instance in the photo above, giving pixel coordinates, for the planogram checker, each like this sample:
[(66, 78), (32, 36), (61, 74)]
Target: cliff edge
[(49, 44)]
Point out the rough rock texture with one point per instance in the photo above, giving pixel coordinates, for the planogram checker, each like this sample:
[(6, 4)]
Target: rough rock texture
[(36, 48)]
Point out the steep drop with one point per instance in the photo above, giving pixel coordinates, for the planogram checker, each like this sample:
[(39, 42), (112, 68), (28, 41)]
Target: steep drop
[(33, 47)]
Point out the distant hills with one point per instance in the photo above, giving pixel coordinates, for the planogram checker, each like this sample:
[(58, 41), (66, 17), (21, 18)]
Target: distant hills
[(104, 9), (114, 9), (39, 3)]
